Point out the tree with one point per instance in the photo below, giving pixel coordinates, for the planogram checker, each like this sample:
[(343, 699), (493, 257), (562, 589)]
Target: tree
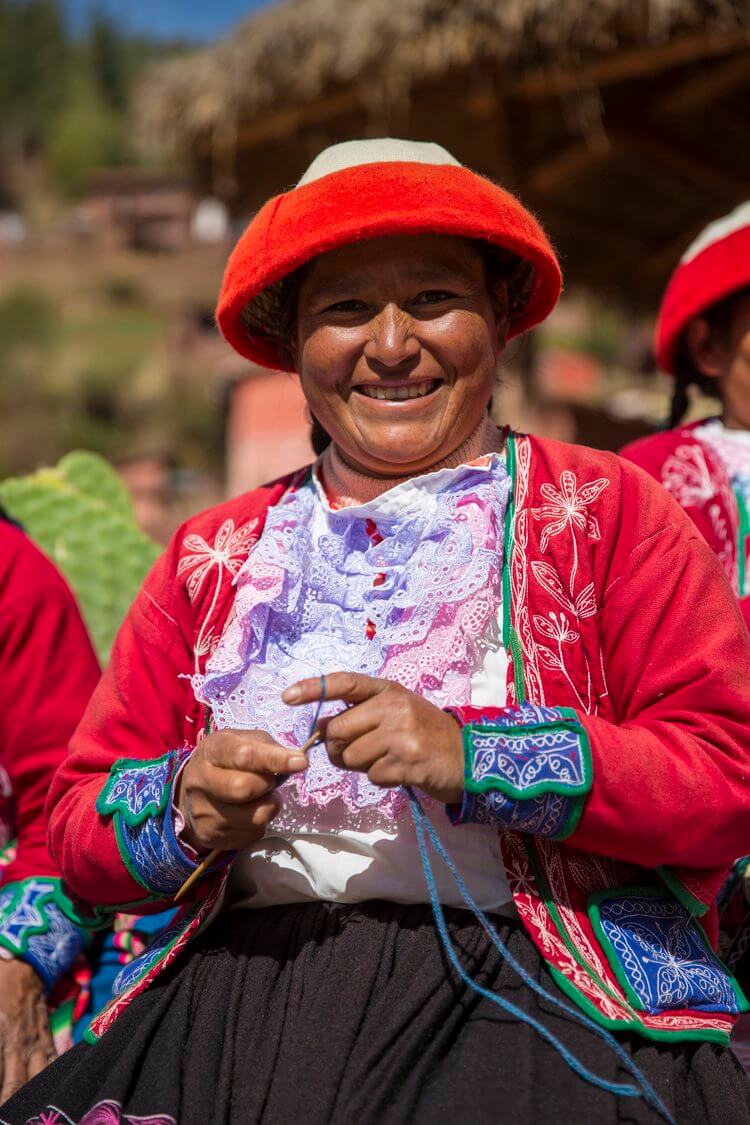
[(109, 62)]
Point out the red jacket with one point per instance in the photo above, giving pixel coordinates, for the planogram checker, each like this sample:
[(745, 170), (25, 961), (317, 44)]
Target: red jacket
[(628, 692), (691, 471), (48, 671)]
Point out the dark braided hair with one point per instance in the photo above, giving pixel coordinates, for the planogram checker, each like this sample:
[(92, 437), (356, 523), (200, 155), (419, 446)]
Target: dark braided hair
[(687, 372), (499, 266)]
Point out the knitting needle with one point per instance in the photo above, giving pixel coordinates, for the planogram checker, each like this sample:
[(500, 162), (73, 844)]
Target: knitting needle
[(214, 855)]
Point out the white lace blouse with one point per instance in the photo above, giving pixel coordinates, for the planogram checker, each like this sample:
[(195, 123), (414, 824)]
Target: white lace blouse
[(406, 586)]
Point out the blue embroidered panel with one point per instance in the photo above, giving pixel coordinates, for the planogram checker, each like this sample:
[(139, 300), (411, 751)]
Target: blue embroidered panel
[(138, 795), (154, 854), (154, 951), (663, 954), (550, 814), (526, 768), (523, 763), (34, 927), (137, 789)]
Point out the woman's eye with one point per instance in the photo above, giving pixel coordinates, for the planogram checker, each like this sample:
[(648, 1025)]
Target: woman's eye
[(432, 296), (347, 306)]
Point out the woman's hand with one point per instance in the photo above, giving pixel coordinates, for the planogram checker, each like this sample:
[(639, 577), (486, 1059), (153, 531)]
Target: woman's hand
[(26, 1045), (225, 792), (391, 734)]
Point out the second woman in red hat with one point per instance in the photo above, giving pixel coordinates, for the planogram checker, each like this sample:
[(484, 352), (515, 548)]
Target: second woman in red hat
[(703, 340)]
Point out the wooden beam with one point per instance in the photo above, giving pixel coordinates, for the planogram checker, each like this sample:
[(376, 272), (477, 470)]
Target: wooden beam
[(637, 62), (644, 141), (618, 248), (566, 167), (660, 262), (707, 86)]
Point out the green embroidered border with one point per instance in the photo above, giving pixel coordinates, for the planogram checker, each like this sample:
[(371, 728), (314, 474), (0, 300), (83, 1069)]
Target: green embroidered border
[(709, 1035), (594, 914), (510, 635), (576, 812), (693, 905), (512, 643), (498, 784), (555, 914), (56, 895), (127, 861), (102, 917), (106, 807), (742, 533)]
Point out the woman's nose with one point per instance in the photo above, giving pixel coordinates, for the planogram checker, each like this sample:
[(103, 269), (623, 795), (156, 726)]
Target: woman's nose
[(392, 343)]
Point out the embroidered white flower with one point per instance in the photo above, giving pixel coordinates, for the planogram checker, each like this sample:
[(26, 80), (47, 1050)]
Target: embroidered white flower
[(228, 552), (567, 507), (556, 627), (226, 556)]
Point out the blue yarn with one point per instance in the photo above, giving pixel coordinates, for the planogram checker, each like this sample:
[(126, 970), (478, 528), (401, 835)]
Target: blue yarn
[(319, 708), (422, 823), (282, 777)]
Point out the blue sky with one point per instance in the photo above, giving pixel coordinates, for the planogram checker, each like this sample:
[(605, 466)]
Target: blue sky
[(184, 19)]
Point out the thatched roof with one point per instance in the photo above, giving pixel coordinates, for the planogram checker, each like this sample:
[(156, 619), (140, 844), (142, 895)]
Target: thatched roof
[(295, 51), (622, 122)]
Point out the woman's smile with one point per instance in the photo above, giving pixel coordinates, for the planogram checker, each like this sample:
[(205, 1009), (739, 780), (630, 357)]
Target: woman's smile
[(404, 395)]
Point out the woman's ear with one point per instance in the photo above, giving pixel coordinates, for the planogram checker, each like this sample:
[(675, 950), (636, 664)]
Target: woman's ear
[(706, 348)]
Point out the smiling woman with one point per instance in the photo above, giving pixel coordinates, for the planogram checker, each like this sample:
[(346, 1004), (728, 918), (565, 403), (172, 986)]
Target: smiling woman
[(446, 289), (440, 631), (397, 344)]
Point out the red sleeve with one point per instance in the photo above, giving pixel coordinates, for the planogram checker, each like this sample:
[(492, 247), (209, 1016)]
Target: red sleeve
[(665, 779), (142, 709), (671, 779), (48, 670)]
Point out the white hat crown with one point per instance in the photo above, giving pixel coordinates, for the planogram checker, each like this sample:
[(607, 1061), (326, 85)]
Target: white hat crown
[(382, 150), (718, 230)]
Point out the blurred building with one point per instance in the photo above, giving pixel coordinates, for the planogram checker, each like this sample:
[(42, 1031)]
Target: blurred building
[(268, 429), (138, 209)]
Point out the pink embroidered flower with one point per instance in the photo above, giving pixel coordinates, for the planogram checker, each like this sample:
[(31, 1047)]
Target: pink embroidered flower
[(228, 552), (567, 507), (103, 1113)]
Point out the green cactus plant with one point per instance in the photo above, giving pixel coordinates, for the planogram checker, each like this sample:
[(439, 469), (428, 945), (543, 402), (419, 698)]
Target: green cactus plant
[(81, 515)]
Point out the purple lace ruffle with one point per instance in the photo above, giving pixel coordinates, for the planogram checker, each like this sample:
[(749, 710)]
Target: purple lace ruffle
[(405, 587)]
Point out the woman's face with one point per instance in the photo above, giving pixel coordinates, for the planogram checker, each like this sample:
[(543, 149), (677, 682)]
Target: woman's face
[(735, 382), (725, 356), (397, 344)]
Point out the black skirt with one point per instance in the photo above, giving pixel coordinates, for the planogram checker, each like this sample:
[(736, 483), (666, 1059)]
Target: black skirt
[(350, 1015)]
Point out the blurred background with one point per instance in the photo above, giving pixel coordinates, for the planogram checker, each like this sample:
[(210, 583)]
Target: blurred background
[(138, 137)]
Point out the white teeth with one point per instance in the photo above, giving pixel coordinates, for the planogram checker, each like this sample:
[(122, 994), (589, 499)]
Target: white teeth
[(399, 394)]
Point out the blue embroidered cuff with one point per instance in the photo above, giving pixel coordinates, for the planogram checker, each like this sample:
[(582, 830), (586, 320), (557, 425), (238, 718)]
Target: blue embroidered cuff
[(138, 796), (525, 768), (37, 924)]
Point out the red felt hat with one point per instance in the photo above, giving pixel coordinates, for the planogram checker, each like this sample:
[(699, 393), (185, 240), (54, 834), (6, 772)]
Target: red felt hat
[(371, 189), (715, 265)]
